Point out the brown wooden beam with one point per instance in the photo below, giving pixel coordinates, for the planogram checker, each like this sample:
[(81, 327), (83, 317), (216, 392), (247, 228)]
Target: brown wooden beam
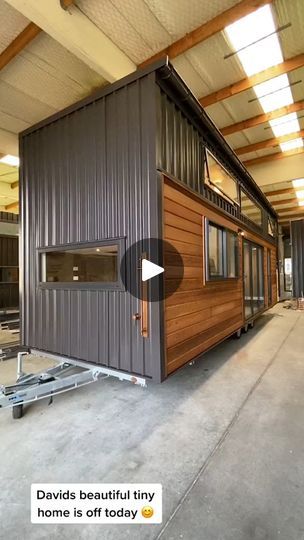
[(273, 157), (65, 4), (19, 43), (245, 84), (268, 143), (290, 216), (12, 205), (285, 201), (262, 118), (208, 29), (284, 191), (296, 209), (14, 184)]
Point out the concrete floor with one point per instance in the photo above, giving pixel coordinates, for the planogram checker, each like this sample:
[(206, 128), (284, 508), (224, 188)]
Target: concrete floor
[(225, 437)]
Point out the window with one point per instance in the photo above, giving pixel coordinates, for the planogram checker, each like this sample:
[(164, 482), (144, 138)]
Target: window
[(91, 264), (216, 251), (271, 227), (222, 252), (219, 179), (250, 209)]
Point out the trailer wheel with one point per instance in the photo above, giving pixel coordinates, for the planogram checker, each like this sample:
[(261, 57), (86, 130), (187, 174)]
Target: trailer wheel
[(245, 329), (251, 324), (238, 334), (17, 411)]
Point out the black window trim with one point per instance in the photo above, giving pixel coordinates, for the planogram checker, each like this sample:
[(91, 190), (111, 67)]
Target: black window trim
[(214, 186), (76, 285), (224, 276), (260, 226)]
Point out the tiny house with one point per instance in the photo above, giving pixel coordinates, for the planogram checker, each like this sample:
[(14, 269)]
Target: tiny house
[(140, 160)]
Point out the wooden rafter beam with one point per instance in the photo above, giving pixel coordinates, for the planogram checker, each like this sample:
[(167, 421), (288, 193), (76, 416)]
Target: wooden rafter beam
[(65, 4), (245, 84), (12, 205), (19, 43), (296, 209), (263, 118), (283, 191), (14, 184), (205, 31), (272, 157), (292, 200), (268, 143), (291, 216)]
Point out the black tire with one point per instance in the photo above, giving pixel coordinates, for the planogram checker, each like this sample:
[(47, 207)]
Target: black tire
[(17, 411), (238, 334), (251, 324), (245, 329)]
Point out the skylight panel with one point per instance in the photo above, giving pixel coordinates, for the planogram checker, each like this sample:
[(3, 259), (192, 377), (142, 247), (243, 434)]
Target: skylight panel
[(274, 93), (300, 194), (285, 125), (299, 182), (251, 28), (243, 33), (291, 145)]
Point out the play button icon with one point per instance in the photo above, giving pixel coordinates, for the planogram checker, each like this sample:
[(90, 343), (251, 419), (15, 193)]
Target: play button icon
[(153, 268), (149, 270)]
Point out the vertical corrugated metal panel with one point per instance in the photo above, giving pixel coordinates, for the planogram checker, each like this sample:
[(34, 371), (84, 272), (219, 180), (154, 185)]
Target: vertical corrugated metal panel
[(9, 292), (179, 144), (91, 175), (297, 255)]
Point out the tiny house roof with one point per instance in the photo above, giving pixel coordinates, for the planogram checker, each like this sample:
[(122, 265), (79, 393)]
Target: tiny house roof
[(174, 86)]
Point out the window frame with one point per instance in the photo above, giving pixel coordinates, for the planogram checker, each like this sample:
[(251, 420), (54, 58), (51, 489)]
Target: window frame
[(84, 285), (224, 276), (215, 187), (260, 225)]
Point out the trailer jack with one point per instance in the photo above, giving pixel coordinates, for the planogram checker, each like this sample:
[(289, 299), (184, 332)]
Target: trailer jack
[(68, 374)]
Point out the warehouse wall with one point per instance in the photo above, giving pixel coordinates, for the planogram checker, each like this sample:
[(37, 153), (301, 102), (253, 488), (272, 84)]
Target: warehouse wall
[(86, 177)]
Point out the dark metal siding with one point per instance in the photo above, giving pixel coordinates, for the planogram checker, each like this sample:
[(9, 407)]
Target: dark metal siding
[(297, 254), (179, 147), (86, 177), (9, 292), (9, 217)]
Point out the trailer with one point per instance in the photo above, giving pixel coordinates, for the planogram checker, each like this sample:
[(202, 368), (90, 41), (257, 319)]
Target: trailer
[(138, 171)]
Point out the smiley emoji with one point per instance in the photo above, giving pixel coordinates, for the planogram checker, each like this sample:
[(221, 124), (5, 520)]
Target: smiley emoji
[(147, 511)]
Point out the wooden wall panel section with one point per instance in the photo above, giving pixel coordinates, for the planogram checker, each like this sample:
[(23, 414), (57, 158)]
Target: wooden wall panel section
[(199, 314)]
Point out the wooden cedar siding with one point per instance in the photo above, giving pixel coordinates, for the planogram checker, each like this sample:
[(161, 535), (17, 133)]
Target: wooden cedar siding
[(199, 314)]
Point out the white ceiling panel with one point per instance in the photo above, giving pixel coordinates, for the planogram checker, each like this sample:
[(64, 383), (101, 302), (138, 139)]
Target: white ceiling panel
[(292, 39), (12, 23), (180, 17), (44, 78), (237, 139), (21, 106), (208, 60), (10, 123), (190, 75), (130, 25)]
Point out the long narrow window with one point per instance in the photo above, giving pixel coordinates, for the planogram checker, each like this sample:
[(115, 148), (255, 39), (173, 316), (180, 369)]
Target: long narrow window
[(76, 265), (219, 179), (250, 209), (221, 252)]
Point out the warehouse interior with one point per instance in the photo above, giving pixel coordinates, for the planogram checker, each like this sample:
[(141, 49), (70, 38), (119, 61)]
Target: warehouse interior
[(219, 425)]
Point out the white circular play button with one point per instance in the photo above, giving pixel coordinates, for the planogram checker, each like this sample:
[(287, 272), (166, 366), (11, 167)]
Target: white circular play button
[(150, 270)]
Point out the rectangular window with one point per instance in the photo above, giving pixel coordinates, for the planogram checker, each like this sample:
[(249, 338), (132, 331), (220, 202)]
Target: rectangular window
[(222, 252), (216, 251), (219, 179), (73, 265), (271, 227), (250, 209)]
